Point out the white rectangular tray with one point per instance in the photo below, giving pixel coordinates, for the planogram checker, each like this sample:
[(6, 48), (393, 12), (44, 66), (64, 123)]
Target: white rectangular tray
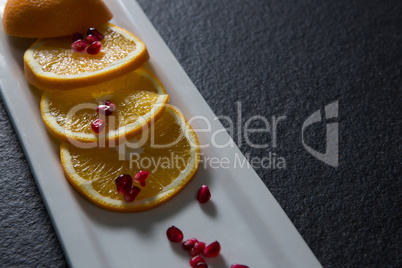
[(242, 215)]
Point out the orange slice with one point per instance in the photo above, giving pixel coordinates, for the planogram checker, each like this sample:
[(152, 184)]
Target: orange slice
[(50, 64), (138, 96), (169, 150), (52, 18)]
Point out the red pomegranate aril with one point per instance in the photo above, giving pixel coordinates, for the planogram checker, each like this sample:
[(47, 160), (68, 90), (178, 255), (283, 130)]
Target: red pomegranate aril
[(111, 105), (212, 250), (189, 243), (79, 46), (141, 176), (104, 109), (196, 260), (98, 125), (238, 266), (77, 36), (93, 31), (131, 194), (94, 48), (174, 234), (203, 194), (197, 249), (123, 183), (91, 38), (202, 265)]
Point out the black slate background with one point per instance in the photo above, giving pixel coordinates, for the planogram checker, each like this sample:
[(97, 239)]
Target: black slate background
[(277, 58)]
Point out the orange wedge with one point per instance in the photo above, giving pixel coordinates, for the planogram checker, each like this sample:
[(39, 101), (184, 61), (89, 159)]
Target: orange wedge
[(50, 64), (139, 97), (52, 18), (169, 150)]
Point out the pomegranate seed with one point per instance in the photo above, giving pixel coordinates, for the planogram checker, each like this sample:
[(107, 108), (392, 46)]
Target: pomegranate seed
[(106, 108), (203, 194), (239, 266), (123, 183), (212, 250), (91, 38), (141, 176), (94, 48), (202, 265), (132, 193), (77, 36), (197, 249), (111, 105), (174, 234), (103, 109), (93, 31), (79, 46), (189, 243), (98, 125), (195, 260)]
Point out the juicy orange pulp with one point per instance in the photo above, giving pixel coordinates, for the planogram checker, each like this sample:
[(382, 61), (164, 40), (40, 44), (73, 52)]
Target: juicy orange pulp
[(133, 99), (51, 64), (56, 57), (101, 165), (169, 150)]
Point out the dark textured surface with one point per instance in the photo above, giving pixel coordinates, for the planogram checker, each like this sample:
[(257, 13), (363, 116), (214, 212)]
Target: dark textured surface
[(277, 58), (27, 238)]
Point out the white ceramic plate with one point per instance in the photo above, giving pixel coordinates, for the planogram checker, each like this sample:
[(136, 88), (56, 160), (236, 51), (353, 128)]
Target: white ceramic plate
[(242, 215)]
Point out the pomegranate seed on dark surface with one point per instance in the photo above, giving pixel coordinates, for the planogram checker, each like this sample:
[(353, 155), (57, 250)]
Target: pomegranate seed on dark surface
[(239, 266), (79, 46), (174, 234), (93, 31), (203, 194), (197, 249), (195, 260), (212, 250), (189, 243), (94, 48), (123, 183), (91, 38), (98, 125), (141, 176), (132, 193), (77, 36), (202, 265)]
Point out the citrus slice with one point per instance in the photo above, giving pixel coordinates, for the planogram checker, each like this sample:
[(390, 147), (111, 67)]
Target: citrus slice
[(50, 64), (138, 97), (169, 150), (51, 18)]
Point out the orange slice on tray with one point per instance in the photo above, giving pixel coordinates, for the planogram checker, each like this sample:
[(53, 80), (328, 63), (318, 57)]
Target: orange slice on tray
[(169, 150), (51, 18), (51, 64), (139, 97)]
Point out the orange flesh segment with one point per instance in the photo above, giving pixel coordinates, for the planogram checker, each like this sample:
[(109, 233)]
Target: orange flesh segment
[(131, 102), (102, 165), (57, 57)]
